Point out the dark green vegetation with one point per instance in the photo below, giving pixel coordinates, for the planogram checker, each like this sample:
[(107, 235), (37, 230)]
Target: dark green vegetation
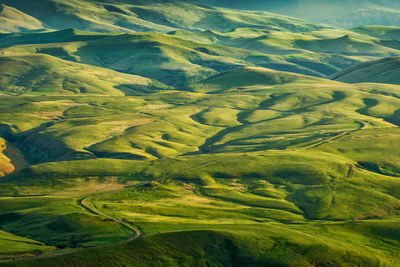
[(121, 149)]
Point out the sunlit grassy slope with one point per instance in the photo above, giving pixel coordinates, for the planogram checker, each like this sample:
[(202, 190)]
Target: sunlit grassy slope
[(252, 156), (13, 246), (40, 73), (288, 164), (13, 20), (162, 16), (6, 166), (176, 61)]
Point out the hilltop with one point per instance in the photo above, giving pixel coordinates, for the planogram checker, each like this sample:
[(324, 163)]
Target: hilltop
[(13, 20), (300, 159)]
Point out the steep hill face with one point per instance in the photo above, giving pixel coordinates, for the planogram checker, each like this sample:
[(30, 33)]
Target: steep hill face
[(382, 71), (337, 12), (13, 20), (102, 15)]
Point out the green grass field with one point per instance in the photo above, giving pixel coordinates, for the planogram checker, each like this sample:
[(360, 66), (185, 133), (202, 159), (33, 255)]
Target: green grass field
[(214, 139), (300, 147)]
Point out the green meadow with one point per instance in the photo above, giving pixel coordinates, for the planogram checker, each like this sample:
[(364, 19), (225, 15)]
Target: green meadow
[(142, 135)]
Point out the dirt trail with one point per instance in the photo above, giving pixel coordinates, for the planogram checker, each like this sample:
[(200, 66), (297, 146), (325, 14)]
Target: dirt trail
[(363, 125), (137, 233)]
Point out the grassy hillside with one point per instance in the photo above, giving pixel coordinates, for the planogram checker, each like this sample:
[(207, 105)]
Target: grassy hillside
[(13, 20), (39, 73), (381, 71), (250, 77), (176, 61), (15, 246), (101, 15), (224, 247), (172, 60), (121, 148), (301, 148)]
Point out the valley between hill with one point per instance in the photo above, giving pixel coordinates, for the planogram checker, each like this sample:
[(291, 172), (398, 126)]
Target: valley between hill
[(257, 139)]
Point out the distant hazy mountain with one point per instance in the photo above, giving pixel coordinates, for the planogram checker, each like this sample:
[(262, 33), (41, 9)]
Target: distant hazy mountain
[(342, 13)]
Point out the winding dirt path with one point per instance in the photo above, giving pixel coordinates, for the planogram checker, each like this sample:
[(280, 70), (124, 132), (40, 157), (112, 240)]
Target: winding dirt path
[(137, 233), (363, 125)]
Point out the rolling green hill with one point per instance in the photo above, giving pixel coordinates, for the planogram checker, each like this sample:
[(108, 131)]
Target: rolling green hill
[(175, 61), (250, 77), (216, 128), (39, 73), (6, 166), (15, 245), (225, 247), (301, 147), (102, 15), (381, 71), (12, 20)]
